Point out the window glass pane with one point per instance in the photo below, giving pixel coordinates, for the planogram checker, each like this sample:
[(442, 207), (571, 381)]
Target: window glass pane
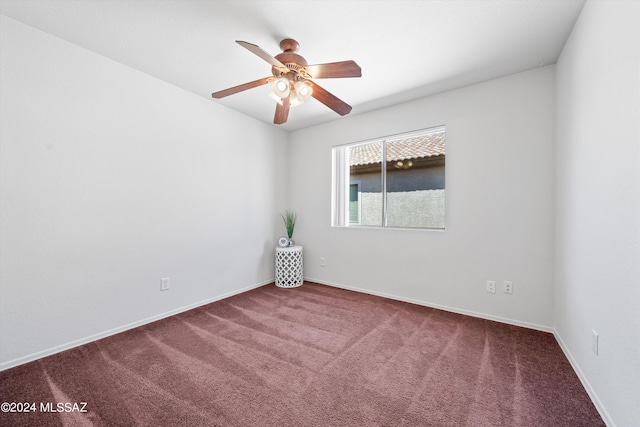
[(354, 203), (415, 181), (365, 173)]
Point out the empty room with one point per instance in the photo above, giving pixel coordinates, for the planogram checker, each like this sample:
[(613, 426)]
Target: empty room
[(320, 213)]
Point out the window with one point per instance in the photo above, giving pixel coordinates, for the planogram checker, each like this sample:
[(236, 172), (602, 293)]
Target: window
[(404, 191)]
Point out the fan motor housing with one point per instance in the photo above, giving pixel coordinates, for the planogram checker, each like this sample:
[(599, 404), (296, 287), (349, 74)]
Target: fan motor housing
[(289, 57)]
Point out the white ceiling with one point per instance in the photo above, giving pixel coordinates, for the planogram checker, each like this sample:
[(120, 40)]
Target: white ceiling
[(407, 49)]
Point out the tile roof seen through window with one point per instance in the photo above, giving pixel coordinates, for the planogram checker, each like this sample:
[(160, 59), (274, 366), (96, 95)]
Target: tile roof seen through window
[(414, 147)]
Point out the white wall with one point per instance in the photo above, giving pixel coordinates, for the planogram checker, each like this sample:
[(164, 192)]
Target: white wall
[(499, 204), (111, 180), (598, 205)]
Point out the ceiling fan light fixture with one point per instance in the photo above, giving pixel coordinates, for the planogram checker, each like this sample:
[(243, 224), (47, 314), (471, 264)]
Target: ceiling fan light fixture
[(289, 84), (303, 91), (281, 87), (276, 98), (293, 100)]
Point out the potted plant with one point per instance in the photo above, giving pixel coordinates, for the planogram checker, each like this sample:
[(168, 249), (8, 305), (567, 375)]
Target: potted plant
[(289, 218)]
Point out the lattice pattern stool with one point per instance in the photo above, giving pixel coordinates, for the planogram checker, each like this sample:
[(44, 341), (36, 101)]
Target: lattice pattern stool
[(289, 267)]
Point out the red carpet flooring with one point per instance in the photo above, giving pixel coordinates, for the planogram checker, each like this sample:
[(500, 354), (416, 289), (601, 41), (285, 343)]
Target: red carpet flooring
[(308, 356)]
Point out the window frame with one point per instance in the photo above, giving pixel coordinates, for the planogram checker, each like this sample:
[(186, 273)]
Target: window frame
[(340, 196)]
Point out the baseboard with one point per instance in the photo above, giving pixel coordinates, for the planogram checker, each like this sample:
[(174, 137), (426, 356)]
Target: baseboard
[(438, 306), (95, 337), (585, 383)]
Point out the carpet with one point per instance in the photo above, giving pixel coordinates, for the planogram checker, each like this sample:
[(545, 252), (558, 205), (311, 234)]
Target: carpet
[(308, 356)]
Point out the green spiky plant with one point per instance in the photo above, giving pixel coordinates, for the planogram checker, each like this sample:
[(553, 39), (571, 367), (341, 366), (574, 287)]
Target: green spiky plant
[(289, 218)]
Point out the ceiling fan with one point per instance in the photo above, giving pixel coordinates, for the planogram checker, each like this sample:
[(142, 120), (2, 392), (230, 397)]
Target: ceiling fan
[(291, 81)]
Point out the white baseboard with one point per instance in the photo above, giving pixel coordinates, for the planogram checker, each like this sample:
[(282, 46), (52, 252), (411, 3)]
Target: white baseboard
[(438, 306), (585, 383), (104, 334)]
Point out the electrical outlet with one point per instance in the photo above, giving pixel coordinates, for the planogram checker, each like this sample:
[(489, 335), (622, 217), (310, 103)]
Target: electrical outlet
[(322, 262), (491, 287), (507, 287), (594, 341), (164, 284)]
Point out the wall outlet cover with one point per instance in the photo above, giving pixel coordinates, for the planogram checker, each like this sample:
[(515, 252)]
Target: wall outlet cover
[(491, 287)]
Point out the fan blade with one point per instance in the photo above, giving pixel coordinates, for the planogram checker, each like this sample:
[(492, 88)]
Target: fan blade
[(240, 88), (334, 70), (330, 100), (282, 111), (257, 50)]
